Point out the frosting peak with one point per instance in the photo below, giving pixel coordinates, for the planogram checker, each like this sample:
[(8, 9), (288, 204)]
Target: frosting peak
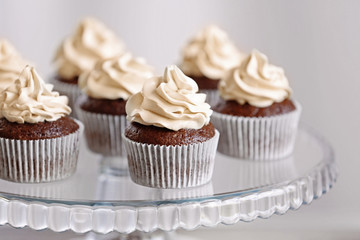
[(116, 78), (31, 100), (256, 82), (170, 101), (210, 53), (7, 50), (91, 42), (11, 64)]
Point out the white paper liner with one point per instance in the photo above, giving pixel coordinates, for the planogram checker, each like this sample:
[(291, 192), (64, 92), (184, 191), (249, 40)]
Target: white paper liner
[(212, 96), (263, 138), (103, 132), (72, 91), (178, 166), (44, 160)]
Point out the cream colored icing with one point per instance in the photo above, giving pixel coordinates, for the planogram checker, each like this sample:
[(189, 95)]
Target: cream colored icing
[(256, 82), (170, 101), (91, 42), (31, 100), (116, 78), (210, 53), (11, 64)]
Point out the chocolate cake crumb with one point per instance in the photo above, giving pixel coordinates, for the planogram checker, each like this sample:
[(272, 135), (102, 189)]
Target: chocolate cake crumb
[(105, 106), (163, 136), (34, 131), (73, 81), (205, 83), (247, 110)]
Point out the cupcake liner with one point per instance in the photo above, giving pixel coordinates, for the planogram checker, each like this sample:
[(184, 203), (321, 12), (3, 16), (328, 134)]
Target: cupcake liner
[(103, 132), (43, 160), (263, 138), (179, 166), (72, 91), (212, 96)]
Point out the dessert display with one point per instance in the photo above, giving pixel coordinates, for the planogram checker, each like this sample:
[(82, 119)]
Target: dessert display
[(207, 57), (106, 89), (255, 116), (38, 141), (91, 42), (170, 142), (150, 163), (11, 64)]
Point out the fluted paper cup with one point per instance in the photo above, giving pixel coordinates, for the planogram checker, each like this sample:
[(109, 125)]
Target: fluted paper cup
[(72, 91), (103, 132), (257, 138), (212, 96), (43, 160), (179, 166)]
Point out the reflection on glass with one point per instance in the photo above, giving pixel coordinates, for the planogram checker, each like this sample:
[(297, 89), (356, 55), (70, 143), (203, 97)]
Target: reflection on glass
[(246, 174), (111, 187)]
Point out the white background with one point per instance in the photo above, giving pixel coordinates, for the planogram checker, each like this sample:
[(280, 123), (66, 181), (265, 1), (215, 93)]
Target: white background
[(317, 42)]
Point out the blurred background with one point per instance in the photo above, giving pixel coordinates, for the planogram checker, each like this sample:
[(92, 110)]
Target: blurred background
[(316, 42)]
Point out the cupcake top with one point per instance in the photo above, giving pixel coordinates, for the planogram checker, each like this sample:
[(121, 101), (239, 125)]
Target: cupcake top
[(256, 82), (11, 64), (30, 100), (116, 78), (91, 42), (210, 53), (170, 101)]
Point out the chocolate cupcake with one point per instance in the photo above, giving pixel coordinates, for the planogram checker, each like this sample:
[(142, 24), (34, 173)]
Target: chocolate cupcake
[(106, 89), (206, 59), (38, 142), (11, 64), (92, 42), (255, 115), (170, 142)]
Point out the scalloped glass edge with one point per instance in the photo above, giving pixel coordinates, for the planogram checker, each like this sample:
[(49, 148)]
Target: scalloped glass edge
[(245, 206)]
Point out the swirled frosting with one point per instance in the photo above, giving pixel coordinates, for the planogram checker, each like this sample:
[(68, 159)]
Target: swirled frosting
[(170, 102), (256, 82), (11, 64), (210, 53), (91, 42), (31, 100), (116, 78)]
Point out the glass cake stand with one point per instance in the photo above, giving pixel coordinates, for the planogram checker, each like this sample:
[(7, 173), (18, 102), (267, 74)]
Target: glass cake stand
[(240, 190)]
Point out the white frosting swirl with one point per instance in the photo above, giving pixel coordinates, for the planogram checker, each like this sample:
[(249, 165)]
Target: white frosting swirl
[(170, 101), (256, 82), (11, 64), (116, 78), (31, 100), (91, 42), (210, 53)]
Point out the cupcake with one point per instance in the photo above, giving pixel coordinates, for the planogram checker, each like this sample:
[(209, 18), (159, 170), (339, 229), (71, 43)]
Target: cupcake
[(11, 64), (207, 57), (255, 115), (38, 142), (106, 89), (91, 42), (170, 142)]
